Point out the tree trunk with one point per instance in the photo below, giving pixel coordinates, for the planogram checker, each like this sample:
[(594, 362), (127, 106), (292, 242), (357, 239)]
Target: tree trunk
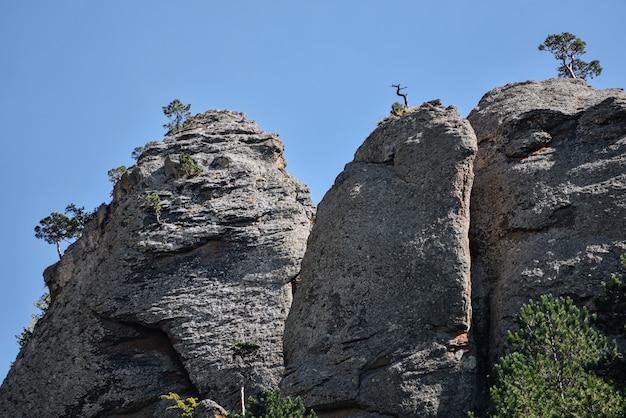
[(569, 66), (243, 400), (59, 249)]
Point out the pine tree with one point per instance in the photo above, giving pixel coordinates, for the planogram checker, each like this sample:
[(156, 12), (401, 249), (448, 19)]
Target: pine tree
[(115, 174), (612, 320), (567, 48), (58, 227), (612, 305), (552, 369), (179, 115)]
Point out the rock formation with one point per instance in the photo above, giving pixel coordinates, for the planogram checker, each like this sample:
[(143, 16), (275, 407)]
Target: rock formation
[(549, 200), (387, 320), (380, 317), (144, 304)]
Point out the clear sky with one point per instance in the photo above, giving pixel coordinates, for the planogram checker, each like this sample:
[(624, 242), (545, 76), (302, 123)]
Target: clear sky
[(82, 84)]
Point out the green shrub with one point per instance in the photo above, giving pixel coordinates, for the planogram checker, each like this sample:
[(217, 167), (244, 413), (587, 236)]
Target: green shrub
[(187, 166), (187, 406), (397, 109), (612, 305), (552, 369), (153, 200), (271, 404), (612, 318), (116, 173), (43, 303)]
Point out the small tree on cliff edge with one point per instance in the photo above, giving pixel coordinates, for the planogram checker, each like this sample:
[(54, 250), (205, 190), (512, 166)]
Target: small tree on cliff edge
[(552, 370), (567, 48), (179, 115), (58, 227)]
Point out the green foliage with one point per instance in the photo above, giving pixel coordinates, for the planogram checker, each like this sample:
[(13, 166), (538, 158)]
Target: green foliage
[(187, 406), (612, 318), (43, 303), (244, 350), (551, 369), (178, 114), (271, 404), (612, 305), (139, 150), (567, 48), (116, 173), (153, 200), (58, 227), (187, 167), (397, 109)]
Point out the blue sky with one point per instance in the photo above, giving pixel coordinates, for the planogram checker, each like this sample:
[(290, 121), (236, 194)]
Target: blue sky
[(83, 82)]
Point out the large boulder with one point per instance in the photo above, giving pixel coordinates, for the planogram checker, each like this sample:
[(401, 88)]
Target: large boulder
[(147, 303), (549, 198), (381, 313)]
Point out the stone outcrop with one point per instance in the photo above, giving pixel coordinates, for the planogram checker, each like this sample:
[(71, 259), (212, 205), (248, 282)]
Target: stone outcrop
[(386, 320), (381, 313), (144, 304), (549, 199)]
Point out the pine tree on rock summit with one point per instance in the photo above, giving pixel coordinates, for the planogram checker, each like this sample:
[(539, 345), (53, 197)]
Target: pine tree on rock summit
[(179, 115), (567, 48)]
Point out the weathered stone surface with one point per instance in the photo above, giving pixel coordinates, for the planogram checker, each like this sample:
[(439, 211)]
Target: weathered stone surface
[(549, 198), (142, 307), (380, 317), (146, 304), (209, 409)]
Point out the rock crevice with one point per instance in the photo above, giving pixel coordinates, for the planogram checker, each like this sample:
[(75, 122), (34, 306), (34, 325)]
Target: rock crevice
[(548, 200)]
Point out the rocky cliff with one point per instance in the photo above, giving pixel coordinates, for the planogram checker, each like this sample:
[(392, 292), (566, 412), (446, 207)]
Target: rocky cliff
[(549, 201), (144, 305), (420, 257), (380, 319)]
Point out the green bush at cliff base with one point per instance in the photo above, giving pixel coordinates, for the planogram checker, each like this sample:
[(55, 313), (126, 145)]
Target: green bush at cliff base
[(612, 305), (553, 367), (271, 404), (187, 406)]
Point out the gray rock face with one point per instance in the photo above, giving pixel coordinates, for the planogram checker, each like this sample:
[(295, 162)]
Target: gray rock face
[(380, 317), (385, 321), (549, 199), (144, 304)]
